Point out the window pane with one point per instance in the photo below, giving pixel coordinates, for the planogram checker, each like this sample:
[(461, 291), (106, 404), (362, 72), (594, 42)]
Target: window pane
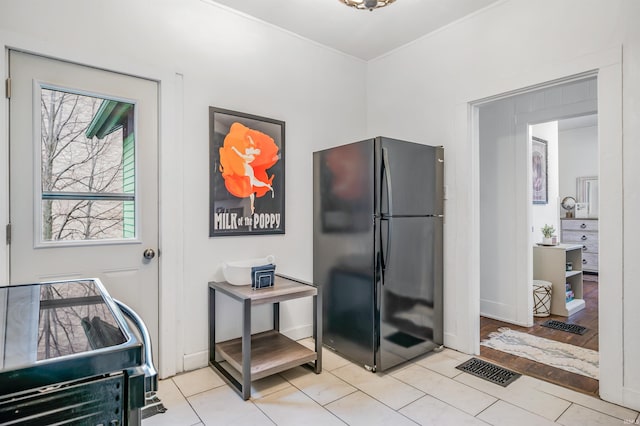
[(87, 146), (84, 220)]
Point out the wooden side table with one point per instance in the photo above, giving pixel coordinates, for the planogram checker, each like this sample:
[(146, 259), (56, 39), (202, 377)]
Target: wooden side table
[(262, 354), (550, 264)]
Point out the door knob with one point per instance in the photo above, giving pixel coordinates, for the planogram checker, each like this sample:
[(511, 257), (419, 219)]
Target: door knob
[(149, 254)]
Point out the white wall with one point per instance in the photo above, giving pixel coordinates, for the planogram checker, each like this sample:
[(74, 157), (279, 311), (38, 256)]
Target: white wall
[(578, 152), (422, 92), (204, 55), (543, 214)]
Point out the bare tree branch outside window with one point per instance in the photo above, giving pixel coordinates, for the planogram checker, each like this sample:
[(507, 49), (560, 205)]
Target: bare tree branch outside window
[(72, 162), (81, 324)]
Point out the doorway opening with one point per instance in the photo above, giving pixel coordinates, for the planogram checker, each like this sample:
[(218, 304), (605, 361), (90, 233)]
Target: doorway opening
[(530, 152)]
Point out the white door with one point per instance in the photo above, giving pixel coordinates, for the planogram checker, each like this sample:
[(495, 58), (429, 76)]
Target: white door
[(84, 179)]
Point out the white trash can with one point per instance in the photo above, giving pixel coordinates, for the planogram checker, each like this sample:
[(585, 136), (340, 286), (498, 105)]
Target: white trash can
[(541, 298)]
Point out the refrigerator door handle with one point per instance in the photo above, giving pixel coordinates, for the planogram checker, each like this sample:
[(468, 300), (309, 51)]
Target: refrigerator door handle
[(387, 173), (384, 248)]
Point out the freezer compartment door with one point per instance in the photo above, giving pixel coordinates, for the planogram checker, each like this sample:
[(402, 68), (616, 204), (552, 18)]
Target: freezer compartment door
[(411, 316), (410, 181), (344, 188)]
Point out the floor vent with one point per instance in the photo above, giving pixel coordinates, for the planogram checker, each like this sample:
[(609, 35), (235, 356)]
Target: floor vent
[(491, 372), (563, 326)]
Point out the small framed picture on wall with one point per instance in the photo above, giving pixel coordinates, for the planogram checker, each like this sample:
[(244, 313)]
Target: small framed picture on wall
[(540, 189)]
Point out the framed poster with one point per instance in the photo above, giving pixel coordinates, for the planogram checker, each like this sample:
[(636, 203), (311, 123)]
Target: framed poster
[(246, 174), (540, 193)]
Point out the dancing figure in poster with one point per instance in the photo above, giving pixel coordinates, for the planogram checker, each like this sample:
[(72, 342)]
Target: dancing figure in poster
[(245, 156)]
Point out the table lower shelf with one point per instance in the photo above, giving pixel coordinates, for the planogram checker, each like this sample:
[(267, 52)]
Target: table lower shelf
[(271, 352)]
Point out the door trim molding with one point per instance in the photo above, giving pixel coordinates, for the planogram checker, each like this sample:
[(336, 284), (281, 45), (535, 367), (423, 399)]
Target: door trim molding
[(608, 65)]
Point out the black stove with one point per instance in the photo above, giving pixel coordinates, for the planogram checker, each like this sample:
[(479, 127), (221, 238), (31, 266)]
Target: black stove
[(67, 355)]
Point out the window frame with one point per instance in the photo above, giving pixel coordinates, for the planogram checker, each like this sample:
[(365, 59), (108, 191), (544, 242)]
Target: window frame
[(39, 195)]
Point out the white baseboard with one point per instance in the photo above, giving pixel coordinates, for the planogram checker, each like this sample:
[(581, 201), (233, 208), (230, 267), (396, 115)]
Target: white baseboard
[(631, 399), (196, 360), (496, 310), (452, 341), (298, 333), (509, 320)]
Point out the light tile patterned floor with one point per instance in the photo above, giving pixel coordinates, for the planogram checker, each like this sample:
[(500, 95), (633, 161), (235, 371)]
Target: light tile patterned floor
[(427, 391)]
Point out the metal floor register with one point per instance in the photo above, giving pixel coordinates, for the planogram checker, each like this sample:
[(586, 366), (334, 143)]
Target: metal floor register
[(490, 372)]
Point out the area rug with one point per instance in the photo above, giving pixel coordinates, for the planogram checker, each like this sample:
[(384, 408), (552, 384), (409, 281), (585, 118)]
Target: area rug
[(555, 354)]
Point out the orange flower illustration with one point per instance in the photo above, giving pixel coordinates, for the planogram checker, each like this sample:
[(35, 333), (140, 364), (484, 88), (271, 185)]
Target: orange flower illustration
[(245, 156)]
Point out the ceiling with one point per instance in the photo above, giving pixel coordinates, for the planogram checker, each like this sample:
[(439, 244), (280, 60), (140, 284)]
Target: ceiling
[(360, 33)]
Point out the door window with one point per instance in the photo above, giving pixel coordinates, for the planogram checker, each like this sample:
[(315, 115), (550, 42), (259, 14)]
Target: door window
[(87, 167)]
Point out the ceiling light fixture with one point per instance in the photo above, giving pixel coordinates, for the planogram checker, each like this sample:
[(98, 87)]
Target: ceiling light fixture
[(367, 4)]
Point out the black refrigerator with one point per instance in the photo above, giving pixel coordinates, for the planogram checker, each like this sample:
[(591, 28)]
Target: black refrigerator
[(377, 249)]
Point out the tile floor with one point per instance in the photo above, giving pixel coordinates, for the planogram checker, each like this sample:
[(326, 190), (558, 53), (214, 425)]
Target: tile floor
[(427, 391)]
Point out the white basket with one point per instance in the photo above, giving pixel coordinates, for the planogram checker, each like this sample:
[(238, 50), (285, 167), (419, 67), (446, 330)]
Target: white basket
[(239, 272), (542, 298)]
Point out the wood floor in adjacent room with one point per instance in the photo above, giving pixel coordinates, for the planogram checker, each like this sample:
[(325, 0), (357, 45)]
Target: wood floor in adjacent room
[(587, 317)]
